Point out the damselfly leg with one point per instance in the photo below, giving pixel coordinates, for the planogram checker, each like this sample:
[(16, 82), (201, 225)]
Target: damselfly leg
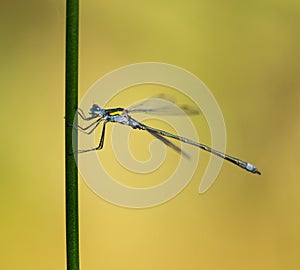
[(101, 142)]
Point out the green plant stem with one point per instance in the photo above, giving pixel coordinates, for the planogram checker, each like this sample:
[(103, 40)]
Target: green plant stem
[(71, 188)]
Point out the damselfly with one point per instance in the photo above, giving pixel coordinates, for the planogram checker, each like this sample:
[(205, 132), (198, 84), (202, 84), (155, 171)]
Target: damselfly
[(122, 116)]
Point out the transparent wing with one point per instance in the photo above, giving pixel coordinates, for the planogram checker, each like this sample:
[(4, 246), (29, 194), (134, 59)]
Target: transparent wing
[(168, 143), (161, 106)]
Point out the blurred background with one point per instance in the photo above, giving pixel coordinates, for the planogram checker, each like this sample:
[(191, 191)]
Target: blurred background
[(246, 52)]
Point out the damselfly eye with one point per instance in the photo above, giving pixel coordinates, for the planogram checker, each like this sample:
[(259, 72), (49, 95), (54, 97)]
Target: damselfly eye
[(95, 109)]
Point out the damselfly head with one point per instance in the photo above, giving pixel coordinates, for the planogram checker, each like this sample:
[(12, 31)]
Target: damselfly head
[(96, 110)]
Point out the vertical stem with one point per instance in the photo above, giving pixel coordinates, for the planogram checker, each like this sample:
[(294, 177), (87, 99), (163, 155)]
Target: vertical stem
[(71, 188)]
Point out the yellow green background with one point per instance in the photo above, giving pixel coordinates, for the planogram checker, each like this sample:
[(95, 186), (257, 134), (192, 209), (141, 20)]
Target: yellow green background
[(247, 52)]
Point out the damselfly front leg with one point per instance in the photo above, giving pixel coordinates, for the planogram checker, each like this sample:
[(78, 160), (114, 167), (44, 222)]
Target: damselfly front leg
[(94, 124), (83, 129), (80, 112)]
